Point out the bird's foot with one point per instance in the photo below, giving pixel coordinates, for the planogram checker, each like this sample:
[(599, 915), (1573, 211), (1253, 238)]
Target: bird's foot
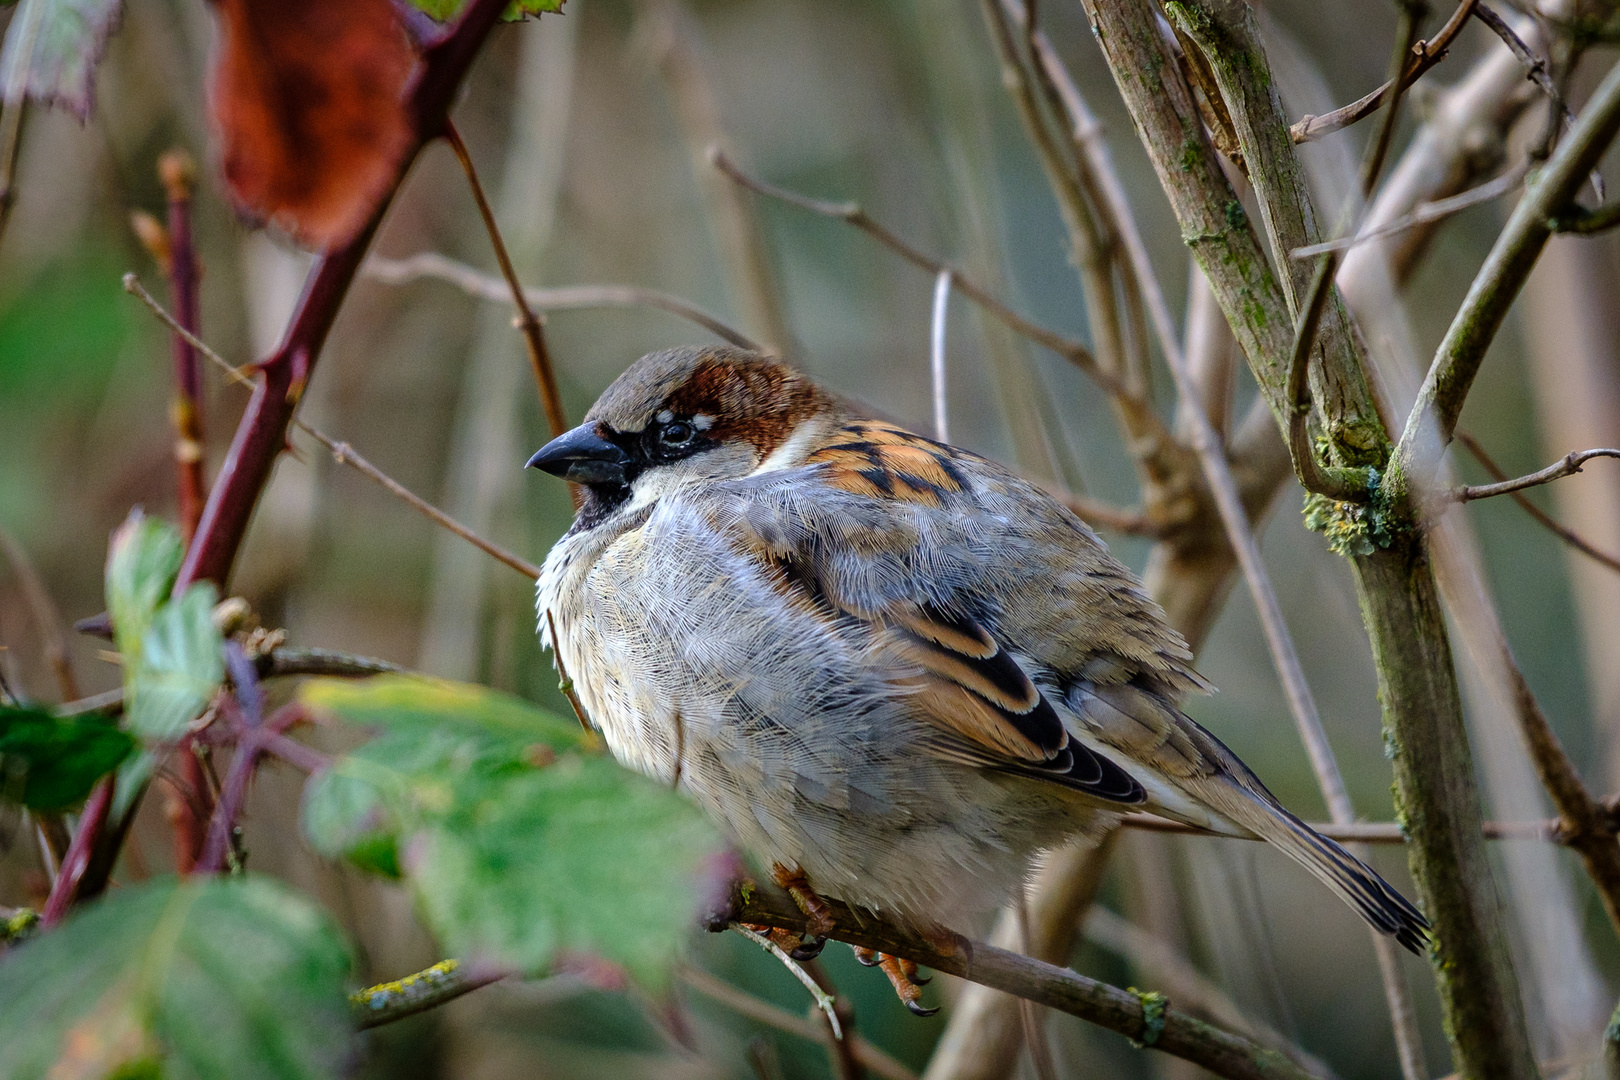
[(818, 916), (796, 944), (902, 975)]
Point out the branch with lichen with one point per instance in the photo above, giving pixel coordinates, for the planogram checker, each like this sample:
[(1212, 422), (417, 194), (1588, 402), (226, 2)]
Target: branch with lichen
[(1147, 1018)]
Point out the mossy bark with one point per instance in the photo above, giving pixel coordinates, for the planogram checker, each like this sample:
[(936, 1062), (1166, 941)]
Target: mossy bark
[(1417, 683)]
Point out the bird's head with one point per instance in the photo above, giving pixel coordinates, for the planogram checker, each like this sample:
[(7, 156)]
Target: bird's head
[(680, 416)]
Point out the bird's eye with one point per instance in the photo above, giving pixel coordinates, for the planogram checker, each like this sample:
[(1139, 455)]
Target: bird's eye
[(678, 433)]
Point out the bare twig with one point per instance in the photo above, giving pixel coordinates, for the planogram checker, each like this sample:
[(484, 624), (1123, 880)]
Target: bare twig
[(47, 619), (301, 757), (823, 999), (851, 213), (1568, 465), (430, 264), (1425, 213), (1567, 535), (1433, 418), (1365, 832), (1087, 134), (936, 355), (534, 335), (1586, 824), (1424, 55), (1535, 67), (342, 452), (1188, 986), (426, 989), (1147, 1018), (745, 1004), (675, 43), (565, 683)]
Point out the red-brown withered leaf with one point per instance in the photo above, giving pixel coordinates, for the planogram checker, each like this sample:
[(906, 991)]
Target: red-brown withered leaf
[(307, 101)]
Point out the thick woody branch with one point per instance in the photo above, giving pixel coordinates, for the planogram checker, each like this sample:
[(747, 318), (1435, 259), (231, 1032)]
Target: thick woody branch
[(1147, 1019), (262, 433), (1400, 604)]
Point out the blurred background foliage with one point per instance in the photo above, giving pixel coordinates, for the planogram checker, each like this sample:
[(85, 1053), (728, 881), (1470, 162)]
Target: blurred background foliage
[(585, 132)]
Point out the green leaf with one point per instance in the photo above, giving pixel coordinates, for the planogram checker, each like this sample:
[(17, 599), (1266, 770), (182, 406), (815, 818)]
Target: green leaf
[(202, 978), (520, 840), (51, 762), (53, 47), (180, 665), (142, 563), (443, 10)]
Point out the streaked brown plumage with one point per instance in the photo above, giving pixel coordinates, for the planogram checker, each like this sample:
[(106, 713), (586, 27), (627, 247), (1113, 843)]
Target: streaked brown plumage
[(879, 661)]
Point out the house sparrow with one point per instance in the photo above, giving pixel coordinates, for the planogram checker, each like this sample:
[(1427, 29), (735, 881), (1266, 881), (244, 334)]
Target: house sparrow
[(889, 668)]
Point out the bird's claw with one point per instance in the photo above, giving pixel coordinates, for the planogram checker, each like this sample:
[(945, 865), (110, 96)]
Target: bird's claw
[(808, 949)]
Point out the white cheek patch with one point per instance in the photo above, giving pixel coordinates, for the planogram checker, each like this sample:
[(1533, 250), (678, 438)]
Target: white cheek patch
[(792, 451)]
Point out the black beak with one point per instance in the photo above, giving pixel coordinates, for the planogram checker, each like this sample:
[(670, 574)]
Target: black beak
[(582, 456)]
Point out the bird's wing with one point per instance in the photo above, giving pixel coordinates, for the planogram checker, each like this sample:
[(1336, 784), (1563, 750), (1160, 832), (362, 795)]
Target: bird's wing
[(1008, 603)]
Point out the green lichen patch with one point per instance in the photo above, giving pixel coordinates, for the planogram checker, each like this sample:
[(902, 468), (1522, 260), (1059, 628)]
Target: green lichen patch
[(1351, 529), (1154, 1006)]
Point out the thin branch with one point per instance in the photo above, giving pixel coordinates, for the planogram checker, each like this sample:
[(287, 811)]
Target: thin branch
[(261, 434), (287, 661), (178, 172), (430, 264), (565, 684), (1364, 832), (936, 355), (301, 757), (1425, 54), (342, 452), (47, 618), (1151, 955), (92, 820), (534, 335), (851, 213), (1087, 134), (427, 989), (823, 1000), (676, 47), (1568, 465), (1425, 213), (1535, 67), (1567, 535), (246, 700), (1336, 484), (1586, 825), (1144, 1017), (1433, 419), (745, 1004)]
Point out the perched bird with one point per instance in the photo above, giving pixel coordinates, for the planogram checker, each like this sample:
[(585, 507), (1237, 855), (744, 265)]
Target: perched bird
[(891, 669)]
